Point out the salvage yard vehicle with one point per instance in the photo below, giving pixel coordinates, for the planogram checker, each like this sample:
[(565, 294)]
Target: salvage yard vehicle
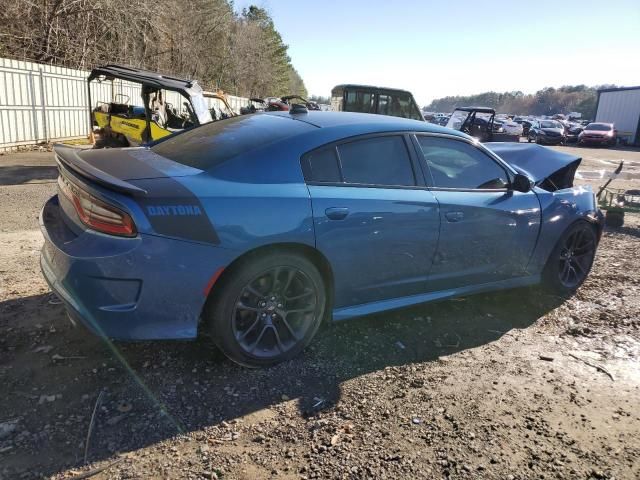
[(615, 201), (220, 108), (121, 124), (255, 105), (256, 228), (598, 134), (526, 124), (549, 132), (510, 127), (479, 122), (297, 99), (573, 131), (380, 100)]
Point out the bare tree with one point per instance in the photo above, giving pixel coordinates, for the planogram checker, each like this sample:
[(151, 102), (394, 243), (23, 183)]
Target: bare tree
[(202, 39)]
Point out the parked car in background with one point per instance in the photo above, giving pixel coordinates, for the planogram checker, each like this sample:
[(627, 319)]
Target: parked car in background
[(255, 105), (598, 134), (511, 127), (442, 121), (549, 132), (572, 131), (526, 124), (255, 229)]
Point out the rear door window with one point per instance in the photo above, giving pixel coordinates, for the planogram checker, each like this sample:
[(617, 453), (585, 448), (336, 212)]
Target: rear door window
[(377, 161)]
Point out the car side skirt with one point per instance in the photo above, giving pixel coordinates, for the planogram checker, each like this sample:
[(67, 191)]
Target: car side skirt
[(395, 303)]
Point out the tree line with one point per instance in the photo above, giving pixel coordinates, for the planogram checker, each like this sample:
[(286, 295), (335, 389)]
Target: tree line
[(548, 101), (241, 53)]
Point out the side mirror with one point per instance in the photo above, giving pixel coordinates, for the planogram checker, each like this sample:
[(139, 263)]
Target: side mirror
[(521, 183)]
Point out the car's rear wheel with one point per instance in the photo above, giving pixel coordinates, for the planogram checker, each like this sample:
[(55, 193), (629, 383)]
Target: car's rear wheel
[(267, 310), (570, 262)]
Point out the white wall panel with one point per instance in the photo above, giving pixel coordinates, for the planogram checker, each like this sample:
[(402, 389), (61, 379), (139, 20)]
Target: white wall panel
[(42, 103)]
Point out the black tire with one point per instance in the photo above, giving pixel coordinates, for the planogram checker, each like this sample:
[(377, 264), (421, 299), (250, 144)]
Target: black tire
[(571, 259), (614, 219), (528, 139), (274, 303)]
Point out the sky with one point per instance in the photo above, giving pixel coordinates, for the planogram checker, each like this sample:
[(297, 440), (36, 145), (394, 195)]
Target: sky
[(462, 47)]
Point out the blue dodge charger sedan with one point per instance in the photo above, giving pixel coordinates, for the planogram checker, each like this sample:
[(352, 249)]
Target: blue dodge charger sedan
[(256, 228)]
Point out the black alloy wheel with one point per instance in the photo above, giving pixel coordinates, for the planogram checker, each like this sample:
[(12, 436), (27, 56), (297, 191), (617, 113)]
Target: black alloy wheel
[(274, 311), (266, 309), (572, 258), (576, 257)]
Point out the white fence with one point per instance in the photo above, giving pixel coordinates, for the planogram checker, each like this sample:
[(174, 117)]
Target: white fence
[(42, 103)]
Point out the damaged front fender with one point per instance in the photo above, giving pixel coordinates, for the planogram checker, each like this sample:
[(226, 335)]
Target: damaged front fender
[(559, 210)]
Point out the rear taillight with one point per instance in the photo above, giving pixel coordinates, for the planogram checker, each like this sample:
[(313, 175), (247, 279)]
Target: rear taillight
[(95, 213)]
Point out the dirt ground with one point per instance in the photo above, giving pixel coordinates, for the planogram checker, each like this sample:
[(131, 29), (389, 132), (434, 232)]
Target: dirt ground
[(510, 385)]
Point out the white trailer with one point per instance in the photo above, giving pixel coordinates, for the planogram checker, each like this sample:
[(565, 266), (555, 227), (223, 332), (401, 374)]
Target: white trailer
[(621, 106)]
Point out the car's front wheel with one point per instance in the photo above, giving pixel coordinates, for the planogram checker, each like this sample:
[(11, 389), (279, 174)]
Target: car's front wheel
[(267, 310), (571, 260)]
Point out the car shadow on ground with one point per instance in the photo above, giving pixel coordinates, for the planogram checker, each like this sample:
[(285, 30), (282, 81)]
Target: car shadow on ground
[(21, 174), (53, 373), (625, 230)]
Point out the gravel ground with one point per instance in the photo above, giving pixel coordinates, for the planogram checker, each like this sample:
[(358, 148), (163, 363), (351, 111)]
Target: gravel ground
[(511, 385)]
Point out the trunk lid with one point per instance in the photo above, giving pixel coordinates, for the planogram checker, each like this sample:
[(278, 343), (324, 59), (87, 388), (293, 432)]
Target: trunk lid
[(116, 167)]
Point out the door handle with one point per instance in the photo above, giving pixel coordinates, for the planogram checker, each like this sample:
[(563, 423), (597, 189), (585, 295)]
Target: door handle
[(454, 216), (337, 213)]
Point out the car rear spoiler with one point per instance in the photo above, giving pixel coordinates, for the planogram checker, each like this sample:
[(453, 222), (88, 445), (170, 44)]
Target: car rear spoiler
[(69, 158)]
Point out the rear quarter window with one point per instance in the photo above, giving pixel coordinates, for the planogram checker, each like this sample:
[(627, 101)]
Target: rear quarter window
[(214, 143), (322, 166)]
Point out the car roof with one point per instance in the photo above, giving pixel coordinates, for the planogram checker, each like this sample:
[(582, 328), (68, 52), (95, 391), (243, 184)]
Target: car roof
[(362, 123), (356, 86), (477, 109)]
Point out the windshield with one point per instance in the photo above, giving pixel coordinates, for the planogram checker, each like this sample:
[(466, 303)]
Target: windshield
[(457, 119), (550, 125), (200, 108), (218, 108), (600, 127)]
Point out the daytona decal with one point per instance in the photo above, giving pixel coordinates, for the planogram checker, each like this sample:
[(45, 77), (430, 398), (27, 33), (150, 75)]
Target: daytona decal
[(154, 210), (173, 210)]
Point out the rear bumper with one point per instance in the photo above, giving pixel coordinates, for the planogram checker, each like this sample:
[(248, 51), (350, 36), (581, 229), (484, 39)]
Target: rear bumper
[(140, 288)]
